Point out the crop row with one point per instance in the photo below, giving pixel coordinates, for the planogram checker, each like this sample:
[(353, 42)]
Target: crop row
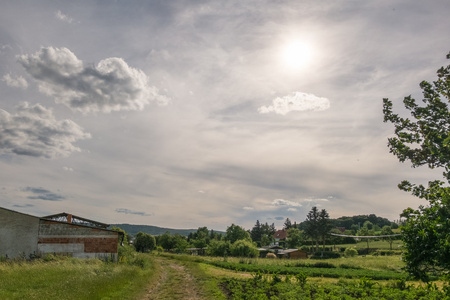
[(333, 272)]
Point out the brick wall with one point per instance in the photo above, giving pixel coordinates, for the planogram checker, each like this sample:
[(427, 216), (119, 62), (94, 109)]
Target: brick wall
[(76, 240)]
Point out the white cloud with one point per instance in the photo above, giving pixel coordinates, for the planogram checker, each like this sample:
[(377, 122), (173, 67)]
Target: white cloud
[(315, 200), (34, 131), (248, 208), (282, 202), (131, 212), (110, 86), (18, 82), (297, 101), (60, 16)]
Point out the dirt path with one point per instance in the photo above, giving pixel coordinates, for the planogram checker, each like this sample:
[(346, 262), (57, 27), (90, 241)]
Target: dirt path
[(175, 282)]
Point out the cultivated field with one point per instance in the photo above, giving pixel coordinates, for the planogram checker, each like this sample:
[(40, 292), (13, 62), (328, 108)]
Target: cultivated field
[(171, 276)]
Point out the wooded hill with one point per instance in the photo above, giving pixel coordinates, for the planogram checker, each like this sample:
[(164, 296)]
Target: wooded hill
[(154, 230)]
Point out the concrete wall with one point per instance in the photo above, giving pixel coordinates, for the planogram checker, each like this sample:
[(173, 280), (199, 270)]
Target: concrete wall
[(76, 240), (23, 235), (18, 234)]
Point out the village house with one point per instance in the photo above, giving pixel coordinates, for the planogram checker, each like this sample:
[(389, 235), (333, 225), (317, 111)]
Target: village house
[(26, 236)]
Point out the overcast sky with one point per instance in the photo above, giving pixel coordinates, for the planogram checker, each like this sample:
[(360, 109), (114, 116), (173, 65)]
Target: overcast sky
[(184, 114)]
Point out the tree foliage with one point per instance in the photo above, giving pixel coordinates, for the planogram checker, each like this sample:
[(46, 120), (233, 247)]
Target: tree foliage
[(218, 248), (317, 225), (244, 248), (262, 234), (144, 242), (424, 139), (236, 232), (294, 238)]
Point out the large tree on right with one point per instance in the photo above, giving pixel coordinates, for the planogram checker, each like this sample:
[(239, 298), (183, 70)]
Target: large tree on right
[(424, 139)]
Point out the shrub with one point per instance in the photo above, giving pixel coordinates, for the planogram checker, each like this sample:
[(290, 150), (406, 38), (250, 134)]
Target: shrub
[(244, 248), (350, 252), (218, 248)]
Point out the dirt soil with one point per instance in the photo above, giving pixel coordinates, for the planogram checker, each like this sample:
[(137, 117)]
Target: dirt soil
[(175, 282)]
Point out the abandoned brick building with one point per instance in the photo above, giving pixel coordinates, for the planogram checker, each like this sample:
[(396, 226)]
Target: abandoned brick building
[(23, 235)]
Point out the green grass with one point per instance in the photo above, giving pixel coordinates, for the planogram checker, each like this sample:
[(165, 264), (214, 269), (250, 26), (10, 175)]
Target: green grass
[(376, 267), (208, 285), (378, 263), (68, 278), (396, 245)]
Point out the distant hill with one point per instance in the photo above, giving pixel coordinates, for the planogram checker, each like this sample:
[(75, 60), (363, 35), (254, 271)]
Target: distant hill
[(153, 230)]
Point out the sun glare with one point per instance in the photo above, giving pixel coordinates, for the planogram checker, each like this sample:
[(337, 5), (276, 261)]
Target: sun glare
[(296, 55)]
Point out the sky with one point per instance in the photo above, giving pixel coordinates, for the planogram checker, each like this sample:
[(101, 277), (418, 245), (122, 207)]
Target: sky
[(185, 114)]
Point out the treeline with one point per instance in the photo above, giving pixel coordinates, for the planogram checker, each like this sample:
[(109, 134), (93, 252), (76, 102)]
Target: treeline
[(237, 241)]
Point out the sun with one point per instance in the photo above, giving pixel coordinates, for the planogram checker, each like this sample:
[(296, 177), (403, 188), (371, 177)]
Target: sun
[(296, 54)]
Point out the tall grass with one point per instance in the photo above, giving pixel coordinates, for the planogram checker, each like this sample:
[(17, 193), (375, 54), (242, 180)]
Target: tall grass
[(69, 278)]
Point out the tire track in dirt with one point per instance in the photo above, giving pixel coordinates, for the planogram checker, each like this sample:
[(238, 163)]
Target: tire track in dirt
[(174, 282)]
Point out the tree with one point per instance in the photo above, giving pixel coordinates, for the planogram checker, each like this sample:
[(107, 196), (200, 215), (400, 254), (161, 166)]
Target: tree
[(387, 230), (218, 248), (200, 238), (424, 139), (166, 241), (364, 231), (312, 225), (180, 242), (144, 242), (236, 232), (287, 224), (294, 237), (324, 226), (256, 233)]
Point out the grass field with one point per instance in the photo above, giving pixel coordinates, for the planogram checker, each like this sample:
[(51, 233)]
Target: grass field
[(396, 245), (69, 278), (172, 276)]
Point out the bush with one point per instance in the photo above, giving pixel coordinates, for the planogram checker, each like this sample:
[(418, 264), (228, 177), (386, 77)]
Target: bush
[(388, 252), (244, 248), (218, 248), (350, 252), (125, 253)]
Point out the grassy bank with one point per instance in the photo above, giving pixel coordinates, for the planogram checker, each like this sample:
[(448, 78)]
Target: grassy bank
[(69, 278)]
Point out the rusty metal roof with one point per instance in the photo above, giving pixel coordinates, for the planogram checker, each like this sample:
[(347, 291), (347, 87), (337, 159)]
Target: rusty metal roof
[(69, 218)]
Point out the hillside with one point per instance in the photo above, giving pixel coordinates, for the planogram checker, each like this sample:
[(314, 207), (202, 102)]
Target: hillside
[(153, 230)]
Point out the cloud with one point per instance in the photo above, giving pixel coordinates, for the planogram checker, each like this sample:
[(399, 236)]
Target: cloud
[(34, 131), (296, 102), (282, 202), (110, 86), (42, 194), (248, 208), (316, 200), (60, 16), (279, 218), (18, 82), (23, 206), (131, 212)]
